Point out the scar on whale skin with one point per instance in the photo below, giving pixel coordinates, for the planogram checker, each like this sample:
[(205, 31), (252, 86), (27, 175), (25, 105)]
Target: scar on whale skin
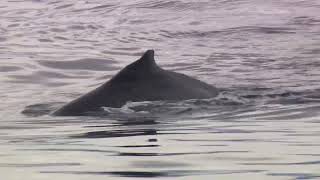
[(142, 80)]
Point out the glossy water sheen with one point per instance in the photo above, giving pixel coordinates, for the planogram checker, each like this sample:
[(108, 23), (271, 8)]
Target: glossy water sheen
[(264, 55)]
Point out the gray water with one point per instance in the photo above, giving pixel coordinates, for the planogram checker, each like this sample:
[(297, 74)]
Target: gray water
[(263, 55)]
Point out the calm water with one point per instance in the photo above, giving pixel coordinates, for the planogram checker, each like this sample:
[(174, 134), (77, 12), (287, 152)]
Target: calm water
[(264, 55)]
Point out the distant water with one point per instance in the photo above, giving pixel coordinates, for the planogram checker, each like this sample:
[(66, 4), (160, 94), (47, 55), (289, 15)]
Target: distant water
[(263, 54)]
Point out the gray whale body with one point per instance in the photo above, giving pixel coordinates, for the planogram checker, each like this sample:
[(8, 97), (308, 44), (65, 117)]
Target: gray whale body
[(142, 80)]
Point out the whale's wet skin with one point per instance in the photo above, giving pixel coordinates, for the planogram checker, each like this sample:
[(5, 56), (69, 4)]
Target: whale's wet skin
[(142, 80), (262, 55)]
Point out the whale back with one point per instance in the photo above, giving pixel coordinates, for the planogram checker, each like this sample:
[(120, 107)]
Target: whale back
[(142, 80)]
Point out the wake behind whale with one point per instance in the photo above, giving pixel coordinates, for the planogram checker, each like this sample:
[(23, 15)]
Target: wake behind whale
[(142, 80)]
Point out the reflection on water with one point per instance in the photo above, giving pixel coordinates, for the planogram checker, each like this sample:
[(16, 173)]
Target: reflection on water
[(236, 143), (262, 55)]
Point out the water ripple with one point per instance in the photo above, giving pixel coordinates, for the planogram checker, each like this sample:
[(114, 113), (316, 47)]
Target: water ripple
[(262, 55), (82, 64)]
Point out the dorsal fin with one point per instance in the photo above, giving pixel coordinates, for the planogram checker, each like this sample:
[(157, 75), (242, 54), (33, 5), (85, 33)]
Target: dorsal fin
[(145, 64), (147, 59), (139, 68)]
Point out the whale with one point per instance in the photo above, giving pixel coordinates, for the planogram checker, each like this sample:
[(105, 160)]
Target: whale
[(142, 80)]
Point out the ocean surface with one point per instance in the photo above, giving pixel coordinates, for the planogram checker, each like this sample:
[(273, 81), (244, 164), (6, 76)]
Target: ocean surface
[(263, 55)]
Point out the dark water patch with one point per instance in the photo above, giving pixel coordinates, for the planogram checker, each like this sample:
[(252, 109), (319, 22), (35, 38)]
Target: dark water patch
[(213, 145), (77, 27), (54, 2), (42, 32), (129, 121), (154, 174), (267, 93), (58, 30), (100, 126), (45, 40), (284, 164), (297, 176), (314, 51), (107, 8), (195, 23), (189, 34), (3, 39), (149, 39), (38, 165), (60, 38), (211, 140), (116, 133), (230, 158), (172, 133), (305, 144), (9, 68), (315, 121), (295, 100), (305, 21), (64, 6), (103, 6), (273, 131), (138, 22), (235, 140), (138, 146), (260, 30), (176, 6), (274, 30), (306, 154), (178, 154), (87, 40), (158, 164), (230, 131), (83, 64), (34, 139), (133, 121), (157, 4), (194, 55), (140, 174)]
